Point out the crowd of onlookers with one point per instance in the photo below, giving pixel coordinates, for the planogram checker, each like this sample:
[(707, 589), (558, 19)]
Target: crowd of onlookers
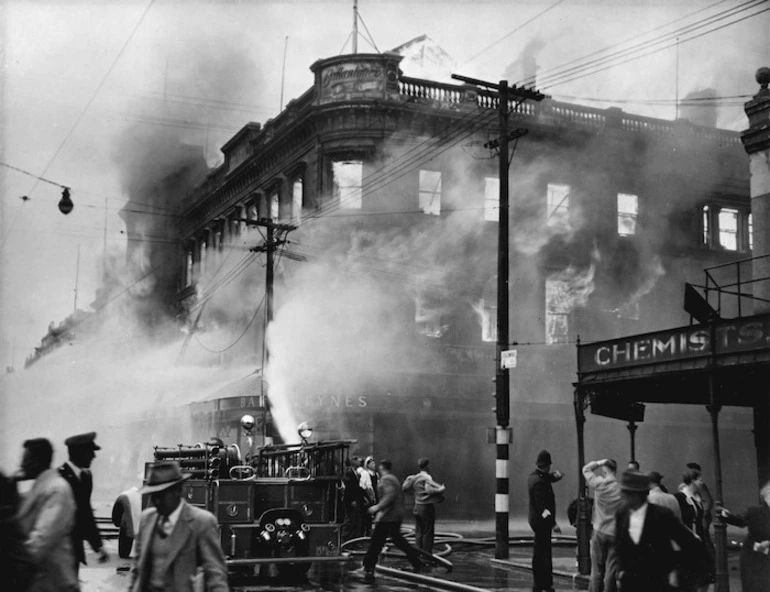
[(42, 533), (645, 537)]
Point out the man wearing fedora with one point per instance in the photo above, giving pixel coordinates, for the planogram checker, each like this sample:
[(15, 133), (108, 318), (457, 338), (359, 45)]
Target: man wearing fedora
[(643, 536), (542, 520), (82, 451), (178, 544)]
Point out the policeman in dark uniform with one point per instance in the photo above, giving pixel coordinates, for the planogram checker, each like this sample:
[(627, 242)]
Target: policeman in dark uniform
[(542, 520), (82, 451)]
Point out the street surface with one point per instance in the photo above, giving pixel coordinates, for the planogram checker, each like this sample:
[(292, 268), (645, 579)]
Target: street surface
[(470, 567)]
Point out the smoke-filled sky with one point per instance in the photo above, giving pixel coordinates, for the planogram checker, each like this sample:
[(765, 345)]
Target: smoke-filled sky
[(78, 76)]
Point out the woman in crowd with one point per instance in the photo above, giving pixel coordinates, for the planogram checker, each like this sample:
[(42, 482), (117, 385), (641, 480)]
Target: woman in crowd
[(691, 504)]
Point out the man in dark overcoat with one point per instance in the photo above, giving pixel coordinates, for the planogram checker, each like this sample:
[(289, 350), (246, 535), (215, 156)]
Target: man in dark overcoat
[(82, 451), (643, 536)]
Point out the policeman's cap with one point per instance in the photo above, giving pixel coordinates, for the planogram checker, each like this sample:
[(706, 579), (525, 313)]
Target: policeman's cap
[(87, 440)]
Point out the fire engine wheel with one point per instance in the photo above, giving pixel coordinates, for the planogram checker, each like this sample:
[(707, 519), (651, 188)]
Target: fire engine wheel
[(292, 569)]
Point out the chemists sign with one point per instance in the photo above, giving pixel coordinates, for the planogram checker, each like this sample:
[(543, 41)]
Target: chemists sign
[(733, 336)]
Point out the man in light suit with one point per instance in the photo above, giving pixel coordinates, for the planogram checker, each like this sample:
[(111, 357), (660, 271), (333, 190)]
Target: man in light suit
[(46, 517), (82, 451), (178, 544)]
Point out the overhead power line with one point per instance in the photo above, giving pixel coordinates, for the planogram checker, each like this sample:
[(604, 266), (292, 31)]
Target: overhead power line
[(34, 176), (516, 30), (586, 67), (531, 79), (238, 339), (98, 89), (654, 51)]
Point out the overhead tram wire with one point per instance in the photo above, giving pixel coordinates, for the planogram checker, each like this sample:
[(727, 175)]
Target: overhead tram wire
[(350, 268), (654, 51), (516, 30), (96, 92), (673, 42), (238, 339), (532, 79), (731, 99), (561, 74), (226, 280)]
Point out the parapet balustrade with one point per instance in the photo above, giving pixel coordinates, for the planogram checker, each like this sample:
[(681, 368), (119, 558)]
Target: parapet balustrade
[(453, 95)]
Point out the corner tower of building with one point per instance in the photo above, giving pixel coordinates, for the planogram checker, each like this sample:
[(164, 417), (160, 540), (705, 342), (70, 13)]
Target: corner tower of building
[(356, 77), (756, 141)]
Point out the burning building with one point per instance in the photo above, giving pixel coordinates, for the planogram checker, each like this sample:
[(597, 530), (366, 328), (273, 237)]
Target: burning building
[(384, 324)]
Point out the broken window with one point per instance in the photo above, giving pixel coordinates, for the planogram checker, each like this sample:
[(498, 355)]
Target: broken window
[(628, 209), (728, 229), (218, 239), (557, 205), (557, 311), (274, 204), (428, 320), (234, 223), (189, 260), (430, 192), (296, 200), (491, 199), (348, 178), (488, 321), (203, 252)]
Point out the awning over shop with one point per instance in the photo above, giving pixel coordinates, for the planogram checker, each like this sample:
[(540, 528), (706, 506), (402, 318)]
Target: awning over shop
[(674, 366)]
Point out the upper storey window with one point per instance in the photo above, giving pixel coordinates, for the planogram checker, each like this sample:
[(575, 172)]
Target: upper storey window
[(726, 228), (557, 205), (347, 177), (297, 200), (274, 201), (628, 210), (430, 192)]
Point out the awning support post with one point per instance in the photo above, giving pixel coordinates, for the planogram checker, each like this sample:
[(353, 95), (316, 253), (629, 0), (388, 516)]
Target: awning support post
[(722, 583), (583, 518), (632, 431)]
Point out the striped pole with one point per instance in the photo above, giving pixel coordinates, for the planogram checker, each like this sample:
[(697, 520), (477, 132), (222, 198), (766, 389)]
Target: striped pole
[(502, 499)]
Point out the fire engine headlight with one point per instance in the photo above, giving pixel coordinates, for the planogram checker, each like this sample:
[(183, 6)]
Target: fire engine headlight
[(248, 422), (301, 536), (265, 535), (305, 430)]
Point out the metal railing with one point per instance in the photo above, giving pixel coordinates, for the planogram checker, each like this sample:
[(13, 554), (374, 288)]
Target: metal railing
[(734, 280)]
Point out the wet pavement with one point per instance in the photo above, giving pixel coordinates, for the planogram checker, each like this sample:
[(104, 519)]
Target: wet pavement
[(472, 558), (470, 567)]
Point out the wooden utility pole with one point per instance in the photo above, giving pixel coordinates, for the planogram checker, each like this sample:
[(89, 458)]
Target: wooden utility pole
[(502, 382), (269, 247)]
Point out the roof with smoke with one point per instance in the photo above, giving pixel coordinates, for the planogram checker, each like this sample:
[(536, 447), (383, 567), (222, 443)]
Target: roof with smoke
[(424, 58)]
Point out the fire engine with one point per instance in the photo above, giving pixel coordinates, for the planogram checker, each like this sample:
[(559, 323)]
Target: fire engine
[(279, 505)]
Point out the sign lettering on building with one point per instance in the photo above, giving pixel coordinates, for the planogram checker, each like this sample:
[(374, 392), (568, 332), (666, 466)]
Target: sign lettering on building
[(732, 336), (326, 401), (355, 80)]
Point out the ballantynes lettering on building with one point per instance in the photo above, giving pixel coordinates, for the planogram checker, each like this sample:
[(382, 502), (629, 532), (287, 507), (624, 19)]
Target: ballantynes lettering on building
[(360, 72), (730, 336)]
